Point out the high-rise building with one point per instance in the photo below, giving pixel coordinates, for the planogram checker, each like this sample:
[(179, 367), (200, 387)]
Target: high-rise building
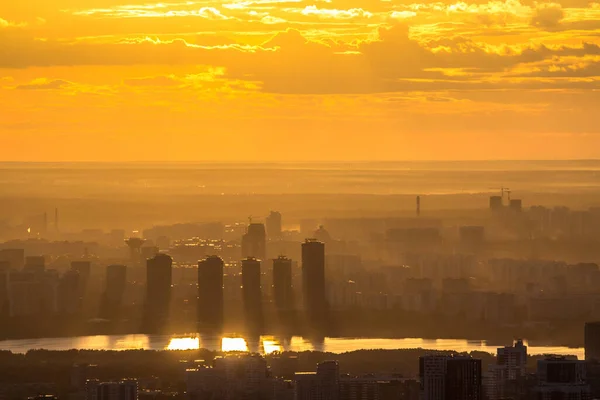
[(592, 341), (84, 268), (432, 373), (251, 293), (496, 203), (321, 385), (245, 376), (35, 264), (274, 225), (328, 373), (463, 379), (68, 295), (210, 293), (15, 258), (254, 242), (450, 378), (562, 378), (313, 281), (112, 299), (514, 358), (282, 283), (506, 376), (158, 290), (123, 390)]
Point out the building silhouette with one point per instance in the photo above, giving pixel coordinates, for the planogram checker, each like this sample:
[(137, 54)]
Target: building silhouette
[(68, 293), (321, 385), (158, 291), (251, 294), (254, 242), (210, 294), (274, 225), (450, 378), (84, 269), (328, 374), (35, 264), (506, 376), (463, 379), (592, 341), (313, 282), (112, 298), (15, 258), (282, 284), (123, 390), (562, 378)]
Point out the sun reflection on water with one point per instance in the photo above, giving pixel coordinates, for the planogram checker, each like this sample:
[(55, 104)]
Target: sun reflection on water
[(186, 343), (233, 344), (270, 345)]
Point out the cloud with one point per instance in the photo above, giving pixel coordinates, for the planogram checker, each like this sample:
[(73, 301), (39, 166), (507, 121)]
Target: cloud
[(153, 81), (547, 15), (9, 24), (45, 84), (335, 14), (291, 63), (403, 14), (154, 11), (271, 20)]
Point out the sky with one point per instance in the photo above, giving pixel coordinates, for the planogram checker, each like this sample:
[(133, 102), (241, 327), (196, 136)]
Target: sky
[(298, 80)]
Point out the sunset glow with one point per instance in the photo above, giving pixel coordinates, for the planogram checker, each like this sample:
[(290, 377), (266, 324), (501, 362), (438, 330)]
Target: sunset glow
[(146, 80), (233, 344), (184, 344)]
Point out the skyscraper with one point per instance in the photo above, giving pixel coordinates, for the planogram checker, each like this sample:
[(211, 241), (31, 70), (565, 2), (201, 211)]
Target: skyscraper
[(210, 293), (592, 341), (68, 295), (123, 390), (322, 385), (254, 242), (504, 377), (84, 268), (313, 281), (282, 283), (328, 374), (463, 379), (450, 378), (158, 291), (432, 374), (561, 378), (251, 293), (15, 257), (274, 225), (112, 299), (35, 264)]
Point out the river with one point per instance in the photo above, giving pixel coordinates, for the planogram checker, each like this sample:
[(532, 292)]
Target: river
[(264, 344)]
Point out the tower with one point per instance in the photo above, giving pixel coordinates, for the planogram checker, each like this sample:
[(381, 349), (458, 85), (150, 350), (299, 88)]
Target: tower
[(135, 249), (254, 242), (112, 299), (210, 294), (158, 291), (313, 281), (251, 293), (418, 206), (274, 225), (282, 283)]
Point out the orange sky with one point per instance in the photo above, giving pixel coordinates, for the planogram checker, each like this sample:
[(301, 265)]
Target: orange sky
[(298, 80)]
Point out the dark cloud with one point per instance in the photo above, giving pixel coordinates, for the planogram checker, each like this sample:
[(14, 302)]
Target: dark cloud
[(290, 63)]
